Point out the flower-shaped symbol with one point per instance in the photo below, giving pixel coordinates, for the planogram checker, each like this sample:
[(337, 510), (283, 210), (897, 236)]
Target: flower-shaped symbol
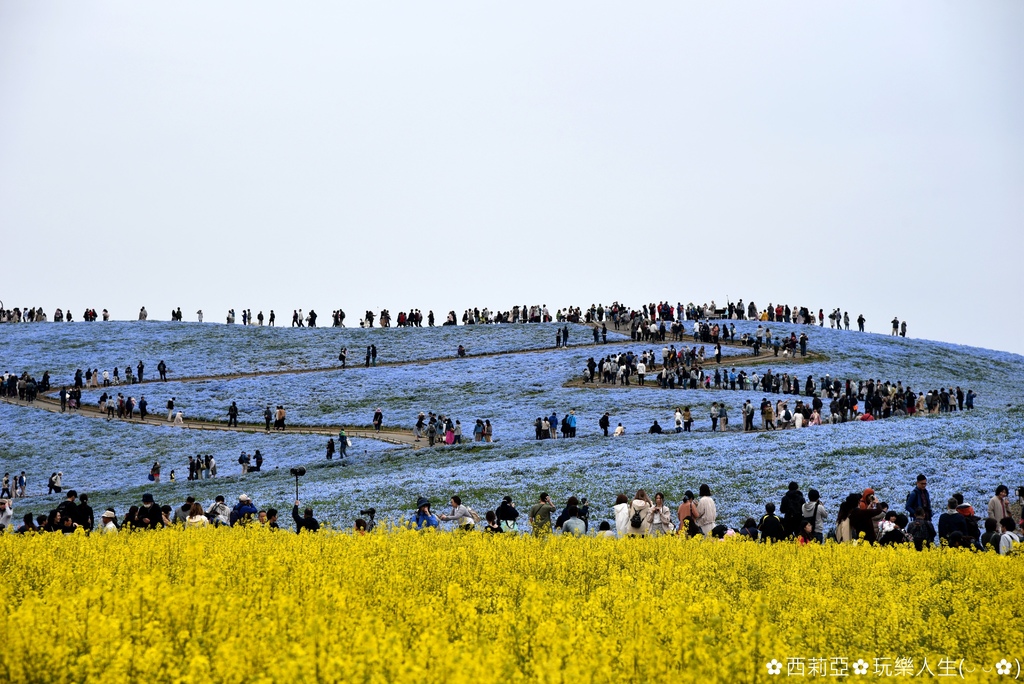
[(860, 667), (775, 667), (1003, 667)]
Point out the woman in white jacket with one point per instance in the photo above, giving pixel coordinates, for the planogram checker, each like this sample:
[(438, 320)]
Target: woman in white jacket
[(659, 516), (706, 510), (622, 514)]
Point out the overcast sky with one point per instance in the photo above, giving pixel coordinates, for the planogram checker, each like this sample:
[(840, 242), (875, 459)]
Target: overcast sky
[(215, 155)]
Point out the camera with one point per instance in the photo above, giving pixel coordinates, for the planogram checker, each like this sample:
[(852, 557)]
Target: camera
[(298, 472)]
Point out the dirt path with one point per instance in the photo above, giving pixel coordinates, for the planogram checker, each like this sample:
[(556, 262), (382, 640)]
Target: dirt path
[(157, 420)]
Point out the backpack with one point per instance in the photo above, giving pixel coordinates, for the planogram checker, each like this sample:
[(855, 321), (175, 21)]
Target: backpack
[(473, 514), (636, 520), (241, 460), (918, 531)]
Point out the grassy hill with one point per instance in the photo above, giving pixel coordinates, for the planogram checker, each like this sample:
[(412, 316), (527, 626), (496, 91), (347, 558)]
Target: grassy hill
[(970, 452)]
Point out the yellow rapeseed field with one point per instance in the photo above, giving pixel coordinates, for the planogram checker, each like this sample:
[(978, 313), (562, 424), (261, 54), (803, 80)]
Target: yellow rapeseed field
[(253, 605)]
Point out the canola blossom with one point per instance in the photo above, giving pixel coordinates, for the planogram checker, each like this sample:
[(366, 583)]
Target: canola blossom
[(255, 605)]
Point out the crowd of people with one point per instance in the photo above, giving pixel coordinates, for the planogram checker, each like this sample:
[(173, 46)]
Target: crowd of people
[(860, 517), (617, 314), (75, 513)]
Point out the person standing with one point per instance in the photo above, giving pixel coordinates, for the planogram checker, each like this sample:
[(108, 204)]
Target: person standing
[(233, 415), (140, 368), (919, 498), (814, 511), (540, 515), (161, 368), (170, 409), (707, 512), (200, 314), (792, 509), (272, 318), (604, 423), (267, 417), (378, 419), (279, 424), (998, 506)]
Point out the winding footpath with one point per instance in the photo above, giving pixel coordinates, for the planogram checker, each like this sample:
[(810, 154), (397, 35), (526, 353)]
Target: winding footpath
[(48, 401)]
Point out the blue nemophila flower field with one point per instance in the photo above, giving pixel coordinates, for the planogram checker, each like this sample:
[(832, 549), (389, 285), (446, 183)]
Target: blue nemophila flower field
[(969, 452), (201, 349)]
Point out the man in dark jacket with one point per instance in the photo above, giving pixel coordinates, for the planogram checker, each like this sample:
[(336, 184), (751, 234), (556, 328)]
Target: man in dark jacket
[(951, 521), (83, 513), (306, 522), (920, 498), (604, 423), (792, 509), (149, 516), (770, 526), (233, 415)]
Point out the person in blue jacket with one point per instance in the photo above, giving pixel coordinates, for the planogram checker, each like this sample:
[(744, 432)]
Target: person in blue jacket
[(920, 498), (243, 511), (425, 518)]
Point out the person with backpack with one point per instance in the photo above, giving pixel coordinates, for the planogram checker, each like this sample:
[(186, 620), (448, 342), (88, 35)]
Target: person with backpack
[(233, 415), (814, 512), (464, 516), (921, 530), (919, 498), (792, 509), (507, 515), (639, 516), (770, 527)]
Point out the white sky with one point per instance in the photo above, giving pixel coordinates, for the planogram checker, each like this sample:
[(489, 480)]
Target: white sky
[(867, 155)]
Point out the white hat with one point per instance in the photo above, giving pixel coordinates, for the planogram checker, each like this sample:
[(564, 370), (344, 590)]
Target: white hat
[(109, 514), (244, 497)]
